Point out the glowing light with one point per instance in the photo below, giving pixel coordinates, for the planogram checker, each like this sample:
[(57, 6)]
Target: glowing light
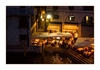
[(87, 18), (92, 44), (57, 37), (43, 12), (71, 17), (48, 16), (42, 19), (41, 16)]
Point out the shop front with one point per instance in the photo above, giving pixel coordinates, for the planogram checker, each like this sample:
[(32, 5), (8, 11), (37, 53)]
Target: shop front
[(54, 28), (70, 28)]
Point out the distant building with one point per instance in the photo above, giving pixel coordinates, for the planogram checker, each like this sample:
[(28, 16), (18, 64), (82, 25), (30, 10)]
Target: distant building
[(18, 25), (66, 18)]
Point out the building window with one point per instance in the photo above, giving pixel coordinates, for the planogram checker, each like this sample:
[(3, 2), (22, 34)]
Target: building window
[(55, 8), (22, 37), (22, 6), (91, 20), (71, 18), (88, 8), (56, 17), (88, 19), (71, 7), (23, 21)]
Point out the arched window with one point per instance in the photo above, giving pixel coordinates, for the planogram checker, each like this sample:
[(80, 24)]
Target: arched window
[(88, 19), (71, 18)]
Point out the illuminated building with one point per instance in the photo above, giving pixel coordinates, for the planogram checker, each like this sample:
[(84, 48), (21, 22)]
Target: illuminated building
[(68, 18)]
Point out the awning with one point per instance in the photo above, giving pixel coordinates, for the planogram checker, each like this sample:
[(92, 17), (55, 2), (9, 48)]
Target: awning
[(82, 42), (54, 27), (45, 35), (70, 27), (59, 35), (39, 35)]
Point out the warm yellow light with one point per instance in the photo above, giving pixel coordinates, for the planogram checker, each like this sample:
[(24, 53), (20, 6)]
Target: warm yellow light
[(70, 18), (42, 19), (41, 16), (87, 18), (42, 12), (48, 16), (92, 44)]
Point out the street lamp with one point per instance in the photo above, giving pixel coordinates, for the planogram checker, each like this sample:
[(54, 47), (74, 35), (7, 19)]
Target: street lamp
[(48, 16)]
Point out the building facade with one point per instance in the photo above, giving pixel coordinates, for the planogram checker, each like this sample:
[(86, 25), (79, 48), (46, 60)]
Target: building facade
[(18, 25), (65, 19), (71, 18)]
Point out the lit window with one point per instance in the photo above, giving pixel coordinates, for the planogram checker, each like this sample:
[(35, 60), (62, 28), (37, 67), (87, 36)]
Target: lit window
[(87, 19), (42, 16), (43, 12), (71, 18)]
